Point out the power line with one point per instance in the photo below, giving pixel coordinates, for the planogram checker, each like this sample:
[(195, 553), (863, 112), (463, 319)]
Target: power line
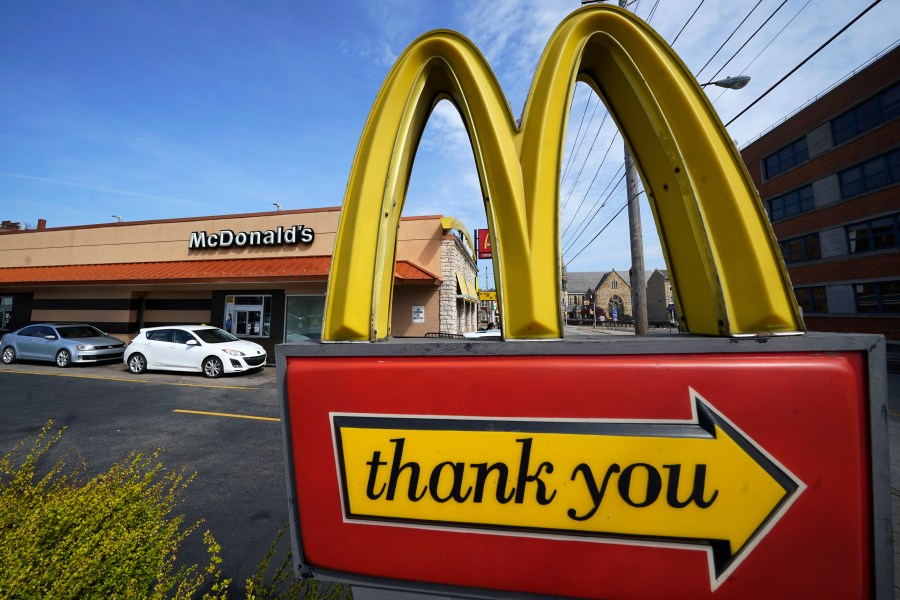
[(758, 29), (652, 12), (588, 191), (598, 234), (686, 22), (729, 37), (577, 134), (580, 170), (615, 187), (805, 60), (766, 47), (586, 222)]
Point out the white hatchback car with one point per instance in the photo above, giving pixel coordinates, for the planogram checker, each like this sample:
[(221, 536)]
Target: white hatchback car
[(209, 350)]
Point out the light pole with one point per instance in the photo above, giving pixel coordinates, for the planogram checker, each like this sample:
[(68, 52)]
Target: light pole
[(732, 83)]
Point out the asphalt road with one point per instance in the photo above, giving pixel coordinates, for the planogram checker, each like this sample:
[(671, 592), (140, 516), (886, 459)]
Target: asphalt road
[(239, 489)]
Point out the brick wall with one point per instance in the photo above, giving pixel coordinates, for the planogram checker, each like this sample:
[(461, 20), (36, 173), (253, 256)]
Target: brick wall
[(407, 296), (874, 78), (838, 269)]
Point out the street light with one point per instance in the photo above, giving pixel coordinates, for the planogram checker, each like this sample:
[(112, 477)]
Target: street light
[(732, 83), (117, 218)]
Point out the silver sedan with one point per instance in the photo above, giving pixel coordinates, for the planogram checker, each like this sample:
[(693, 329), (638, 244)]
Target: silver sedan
[(62, 343)]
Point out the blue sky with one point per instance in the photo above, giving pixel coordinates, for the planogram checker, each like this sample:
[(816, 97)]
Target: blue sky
[(168, 109)]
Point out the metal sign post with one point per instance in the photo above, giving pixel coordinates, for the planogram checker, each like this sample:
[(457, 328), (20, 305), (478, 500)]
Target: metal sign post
[(750, 462)]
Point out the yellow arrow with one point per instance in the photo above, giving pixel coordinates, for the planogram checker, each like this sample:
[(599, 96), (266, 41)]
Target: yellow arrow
[(699, 481)]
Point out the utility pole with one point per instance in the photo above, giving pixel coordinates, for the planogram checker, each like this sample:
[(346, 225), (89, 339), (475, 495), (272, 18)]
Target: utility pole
[(638, 283)]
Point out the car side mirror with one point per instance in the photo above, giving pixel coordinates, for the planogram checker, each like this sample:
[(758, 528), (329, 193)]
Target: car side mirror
[(193, 343)]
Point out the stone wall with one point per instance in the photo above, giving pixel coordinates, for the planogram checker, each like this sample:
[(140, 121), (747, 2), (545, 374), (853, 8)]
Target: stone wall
[(457, 315)]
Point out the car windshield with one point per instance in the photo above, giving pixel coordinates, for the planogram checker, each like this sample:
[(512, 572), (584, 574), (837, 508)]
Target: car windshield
[(79, 331), (214, 336)]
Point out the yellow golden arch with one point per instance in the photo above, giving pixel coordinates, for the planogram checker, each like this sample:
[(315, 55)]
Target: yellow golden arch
[(723, 263)]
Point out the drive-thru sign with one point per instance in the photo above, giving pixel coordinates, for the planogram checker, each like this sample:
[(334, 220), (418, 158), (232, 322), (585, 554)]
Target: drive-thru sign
[(651, 467), (748, 463)]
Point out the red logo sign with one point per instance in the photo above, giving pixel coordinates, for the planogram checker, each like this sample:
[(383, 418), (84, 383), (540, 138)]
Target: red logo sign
[(484, 242)]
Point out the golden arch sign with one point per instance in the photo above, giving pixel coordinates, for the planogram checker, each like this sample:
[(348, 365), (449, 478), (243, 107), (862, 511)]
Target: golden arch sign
[(639, 467), (723, 261)]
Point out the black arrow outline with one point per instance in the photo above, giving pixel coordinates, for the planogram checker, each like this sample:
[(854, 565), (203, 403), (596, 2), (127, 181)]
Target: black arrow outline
[(702, 425)]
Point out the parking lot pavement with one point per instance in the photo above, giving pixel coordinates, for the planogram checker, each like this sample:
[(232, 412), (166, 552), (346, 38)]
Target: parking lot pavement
[(226, 430)]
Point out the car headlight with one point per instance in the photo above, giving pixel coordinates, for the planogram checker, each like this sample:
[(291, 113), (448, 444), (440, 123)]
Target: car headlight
[(84, 347), (232, 352)]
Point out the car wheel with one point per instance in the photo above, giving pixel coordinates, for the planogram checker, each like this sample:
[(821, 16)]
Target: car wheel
[(9, 355), (63, 359), (212, 367), (137, 364)]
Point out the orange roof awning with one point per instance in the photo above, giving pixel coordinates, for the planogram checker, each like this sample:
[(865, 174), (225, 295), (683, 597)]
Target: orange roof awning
[(291, 268)]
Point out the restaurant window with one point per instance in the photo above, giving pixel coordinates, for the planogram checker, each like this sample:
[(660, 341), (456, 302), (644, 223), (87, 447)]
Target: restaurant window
[(248, 316), (6, 307), (303, 318), (877, 297), (812, 299)]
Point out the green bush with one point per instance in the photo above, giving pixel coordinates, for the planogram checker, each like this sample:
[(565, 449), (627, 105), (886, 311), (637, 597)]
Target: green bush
[(282, 584), (113, 536)]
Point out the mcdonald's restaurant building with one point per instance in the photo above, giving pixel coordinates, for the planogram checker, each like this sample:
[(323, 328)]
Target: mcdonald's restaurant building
[(263, 276)]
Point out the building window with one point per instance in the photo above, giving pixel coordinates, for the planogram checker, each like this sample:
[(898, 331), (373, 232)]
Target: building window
[(870, 175), (793, 203), (6, 306), (248, 316), (877, 234), (614, 284), (812, 299), (867, 115), (616, 308), (303, 318), (788, 157), (878, 297), (801, 249)]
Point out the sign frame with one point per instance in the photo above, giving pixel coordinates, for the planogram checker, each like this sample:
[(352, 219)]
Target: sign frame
[(871, 348)]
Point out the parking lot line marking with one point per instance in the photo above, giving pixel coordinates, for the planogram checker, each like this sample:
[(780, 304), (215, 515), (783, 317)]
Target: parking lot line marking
[(130, 380), (217, 414)]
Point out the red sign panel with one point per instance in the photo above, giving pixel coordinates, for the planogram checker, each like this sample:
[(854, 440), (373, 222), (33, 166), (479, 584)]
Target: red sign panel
[(484, 242), (690, 476)]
